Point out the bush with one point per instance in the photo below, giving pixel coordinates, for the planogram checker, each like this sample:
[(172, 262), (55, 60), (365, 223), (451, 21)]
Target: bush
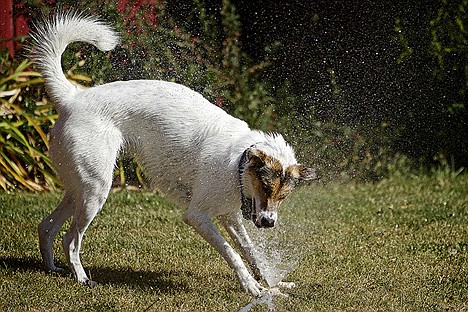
[(210, 60), (26, 118)]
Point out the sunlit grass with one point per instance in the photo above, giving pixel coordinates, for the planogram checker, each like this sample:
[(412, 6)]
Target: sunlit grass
[(401, 244)]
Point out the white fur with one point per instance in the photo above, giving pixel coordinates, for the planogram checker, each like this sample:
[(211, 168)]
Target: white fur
[(189, 148)]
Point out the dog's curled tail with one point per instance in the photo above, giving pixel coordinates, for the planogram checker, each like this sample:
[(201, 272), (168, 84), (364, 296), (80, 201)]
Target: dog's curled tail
[(51, 38)]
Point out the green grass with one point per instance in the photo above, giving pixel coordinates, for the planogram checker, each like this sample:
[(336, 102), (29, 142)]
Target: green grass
[(398, 245)]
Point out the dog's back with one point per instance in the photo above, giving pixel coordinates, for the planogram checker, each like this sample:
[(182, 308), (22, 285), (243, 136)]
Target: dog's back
[(167, 127)]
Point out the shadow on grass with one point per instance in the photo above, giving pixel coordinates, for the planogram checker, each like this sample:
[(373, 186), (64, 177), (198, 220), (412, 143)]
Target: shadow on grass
[(165, 281), (25, 264)]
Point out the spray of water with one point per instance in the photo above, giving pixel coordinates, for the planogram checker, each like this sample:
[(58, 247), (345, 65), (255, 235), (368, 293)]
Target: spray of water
[(277, 256), (278, 252)]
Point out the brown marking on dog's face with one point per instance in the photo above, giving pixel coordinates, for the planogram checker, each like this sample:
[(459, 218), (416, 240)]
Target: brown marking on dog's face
[(271, 184)]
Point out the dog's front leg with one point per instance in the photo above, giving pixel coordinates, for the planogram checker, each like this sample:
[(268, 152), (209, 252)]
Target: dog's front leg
[(204, 226), (234, 226), (236, 229)]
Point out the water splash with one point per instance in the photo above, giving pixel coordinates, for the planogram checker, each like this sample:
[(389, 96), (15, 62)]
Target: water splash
[(276, 261), (278, 253)]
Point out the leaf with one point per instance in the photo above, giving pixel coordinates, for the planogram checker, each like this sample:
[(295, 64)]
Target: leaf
[(10, 167), (36, 126)]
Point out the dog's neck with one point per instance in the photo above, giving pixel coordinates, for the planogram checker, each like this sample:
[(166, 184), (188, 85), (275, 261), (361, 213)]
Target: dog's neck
[(246, 206)]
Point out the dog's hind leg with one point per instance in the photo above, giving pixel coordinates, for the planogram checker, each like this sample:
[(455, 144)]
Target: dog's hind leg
[(88, 205), (49, 228), (234, 226), (92, 182)]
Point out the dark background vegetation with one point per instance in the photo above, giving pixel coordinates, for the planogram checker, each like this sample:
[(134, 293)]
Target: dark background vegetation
[(360, 88), (400, 65)]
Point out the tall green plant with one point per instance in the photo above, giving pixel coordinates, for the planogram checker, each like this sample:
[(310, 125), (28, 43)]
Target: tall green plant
[(25, 117), (449, 43)]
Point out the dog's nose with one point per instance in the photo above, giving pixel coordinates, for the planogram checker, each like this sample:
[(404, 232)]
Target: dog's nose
[(267, 222), (266, 219)]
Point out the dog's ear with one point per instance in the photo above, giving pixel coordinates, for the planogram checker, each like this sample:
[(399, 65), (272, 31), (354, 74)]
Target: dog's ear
[(302, 173), (257, 157)]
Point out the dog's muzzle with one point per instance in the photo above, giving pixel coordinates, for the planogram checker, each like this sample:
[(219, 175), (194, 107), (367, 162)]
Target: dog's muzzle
[(266, 219)]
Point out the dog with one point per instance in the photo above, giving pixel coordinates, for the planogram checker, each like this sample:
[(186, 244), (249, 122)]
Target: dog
[(191, 150)]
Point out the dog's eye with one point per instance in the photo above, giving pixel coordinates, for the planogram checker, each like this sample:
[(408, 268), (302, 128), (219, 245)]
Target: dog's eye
[(265, 173), (268, 174), (292, 181), (265, 187)]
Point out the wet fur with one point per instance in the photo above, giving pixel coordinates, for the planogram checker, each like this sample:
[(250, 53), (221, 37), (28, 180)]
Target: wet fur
[(189, 148)]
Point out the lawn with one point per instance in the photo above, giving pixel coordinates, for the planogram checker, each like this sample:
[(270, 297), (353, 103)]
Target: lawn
[(397, 245)]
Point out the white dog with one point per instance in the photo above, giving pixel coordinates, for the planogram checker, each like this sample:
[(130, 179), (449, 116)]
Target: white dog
[(190, 149)]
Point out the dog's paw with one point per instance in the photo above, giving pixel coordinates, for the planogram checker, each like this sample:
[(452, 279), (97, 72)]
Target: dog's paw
[(255, 290), (87, 282), (287, 285), (251, 286), (91, 284)]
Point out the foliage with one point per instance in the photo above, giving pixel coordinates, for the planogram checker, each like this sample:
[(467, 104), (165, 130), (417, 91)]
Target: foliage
[(449, 44), (439, 52), (26, 116), (396, 245), (407, 50), (237, 81), (210, 59)]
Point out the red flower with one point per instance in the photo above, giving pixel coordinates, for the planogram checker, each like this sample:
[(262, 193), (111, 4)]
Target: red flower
[(219, 101)]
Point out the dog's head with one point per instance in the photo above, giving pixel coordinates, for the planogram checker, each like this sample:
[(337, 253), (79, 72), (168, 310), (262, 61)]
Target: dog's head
[(266, 183)]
